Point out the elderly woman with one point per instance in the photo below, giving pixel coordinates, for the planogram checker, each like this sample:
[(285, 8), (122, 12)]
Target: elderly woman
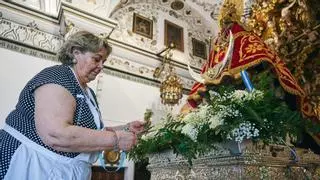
[(55, 130)]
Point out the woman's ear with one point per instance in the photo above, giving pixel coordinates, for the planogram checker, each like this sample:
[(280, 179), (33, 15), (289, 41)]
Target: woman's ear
[(76, 53)]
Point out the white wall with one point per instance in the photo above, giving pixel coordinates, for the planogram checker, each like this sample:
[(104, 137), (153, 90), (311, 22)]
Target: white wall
[(122, 100), (15, 71)]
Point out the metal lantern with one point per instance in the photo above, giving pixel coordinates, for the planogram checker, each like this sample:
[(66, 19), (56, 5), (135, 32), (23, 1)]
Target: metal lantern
[(171, 87), (171, 90)]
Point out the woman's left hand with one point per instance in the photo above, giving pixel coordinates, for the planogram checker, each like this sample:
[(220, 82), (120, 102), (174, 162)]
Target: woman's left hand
[(136, 126)]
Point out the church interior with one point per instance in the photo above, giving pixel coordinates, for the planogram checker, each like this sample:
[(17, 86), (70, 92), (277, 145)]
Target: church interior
[(167, 57)]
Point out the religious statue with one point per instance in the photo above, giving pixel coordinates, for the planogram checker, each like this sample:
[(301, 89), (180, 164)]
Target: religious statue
[(248, 50), (237, 49)]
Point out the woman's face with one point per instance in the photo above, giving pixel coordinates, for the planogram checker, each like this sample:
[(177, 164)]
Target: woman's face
[(89, 64)]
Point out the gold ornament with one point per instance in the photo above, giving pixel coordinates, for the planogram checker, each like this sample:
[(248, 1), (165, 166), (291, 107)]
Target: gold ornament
[(171, 89), (111, 157), (231, 11)]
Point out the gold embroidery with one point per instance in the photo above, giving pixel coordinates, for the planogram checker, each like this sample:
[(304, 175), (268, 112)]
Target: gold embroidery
[(253, 48)]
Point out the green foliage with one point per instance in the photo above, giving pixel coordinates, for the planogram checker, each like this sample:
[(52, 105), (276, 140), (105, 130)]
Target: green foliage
[(228, 114)]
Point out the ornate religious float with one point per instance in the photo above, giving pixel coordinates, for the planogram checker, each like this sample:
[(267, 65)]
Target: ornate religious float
[(251, 133), (254, 162)]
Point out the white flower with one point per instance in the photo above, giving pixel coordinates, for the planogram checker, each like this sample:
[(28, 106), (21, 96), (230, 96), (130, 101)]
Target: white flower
[(199, 116), (240, 96), (227, 111), (191, 131), (215, 121), (203, 112), (245, 130), (149, 135), (214, 95), (255, 95), (191, 118)]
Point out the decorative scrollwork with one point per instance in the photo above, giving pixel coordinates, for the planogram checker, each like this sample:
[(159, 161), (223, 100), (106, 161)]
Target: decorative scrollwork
[(291, 29)]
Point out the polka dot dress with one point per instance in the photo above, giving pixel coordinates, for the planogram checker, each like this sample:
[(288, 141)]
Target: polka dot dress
[(22, 118)]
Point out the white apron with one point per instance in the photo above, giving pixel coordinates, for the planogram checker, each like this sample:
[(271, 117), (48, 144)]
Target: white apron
[(34, 162)]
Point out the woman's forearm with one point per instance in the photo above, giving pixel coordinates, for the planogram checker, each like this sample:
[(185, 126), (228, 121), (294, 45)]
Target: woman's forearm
[(79, 139), (135, 127), (118, 128)]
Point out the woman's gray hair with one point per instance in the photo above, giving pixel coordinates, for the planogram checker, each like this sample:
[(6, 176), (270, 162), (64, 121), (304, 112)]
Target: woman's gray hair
[(84, 42)]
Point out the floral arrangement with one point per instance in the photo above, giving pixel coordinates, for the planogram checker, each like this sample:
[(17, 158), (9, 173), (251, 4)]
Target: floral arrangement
[(227, 114)]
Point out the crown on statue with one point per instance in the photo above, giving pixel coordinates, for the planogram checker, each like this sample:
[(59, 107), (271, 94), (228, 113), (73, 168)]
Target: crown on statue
[(229, 12)]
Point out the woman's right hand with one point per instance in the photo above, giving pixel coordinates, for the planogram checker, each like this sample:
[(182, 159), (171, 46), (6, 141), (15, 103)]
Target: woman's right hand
[(126, 140)]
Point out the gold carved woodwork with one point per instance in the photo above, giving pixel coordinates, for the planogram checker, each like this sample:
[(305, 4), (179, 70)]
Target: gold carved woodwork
[(291, 29)]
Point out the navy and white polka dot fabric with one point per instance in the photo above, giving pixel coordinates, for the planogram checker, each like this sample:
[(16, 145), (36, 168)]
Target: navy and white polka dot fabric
[(22, 118)]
